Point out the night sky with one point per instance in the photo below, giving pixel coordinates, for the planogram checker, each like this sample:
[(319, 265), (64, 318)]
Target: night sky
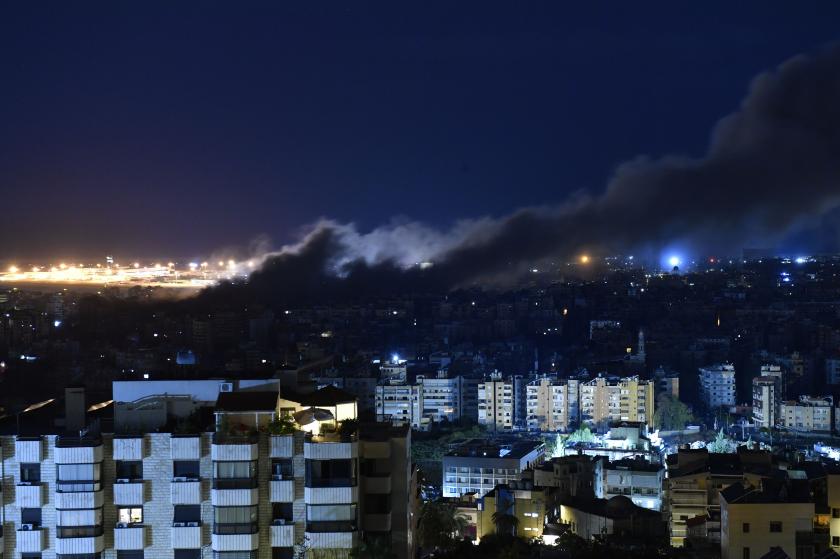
[(174, 129)]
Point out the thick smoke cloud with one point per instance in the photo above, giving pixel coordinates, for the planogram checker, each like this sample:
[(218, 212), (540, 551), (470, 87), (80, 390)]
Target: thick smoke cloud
[(772, 164)]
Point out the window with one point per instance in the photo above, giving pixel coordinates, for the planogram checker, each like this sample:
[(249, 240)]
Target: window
[(835, 513), (30, 556), (835, 541), (130, 515), (234, 475), (745, 527), (745, 553), (187, 554), (130, 554), (129, 469), (330, 518), (30, 516), (775, 526), (235, 520), (331, 473), (282, 469), (30, 473), (235, 555), (282, 552), (377, 504), (70, 518), (187, 513), (189, 469), (282, 511), (78, 477)]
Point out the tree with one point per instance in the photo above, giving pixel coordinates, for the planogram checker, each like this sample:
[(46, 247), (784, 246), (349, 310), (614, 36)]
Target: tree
[(440, 525), (671, 414), (376, 548), (582, 435), (506, 524)]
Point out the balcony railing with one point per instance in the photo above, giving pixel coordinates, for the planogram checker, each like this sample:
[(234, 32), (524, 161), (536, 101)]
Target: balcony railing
[(331, 482), (77, 486), (331, 526), (233, 529), (65, 441), (79, 531), (332, 438), (235, 483), (223, 438)]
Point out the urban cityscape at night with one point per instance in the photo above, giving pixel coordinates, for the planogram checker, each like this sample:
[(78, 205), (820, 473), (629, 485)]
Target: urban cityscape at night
[(411, 281)]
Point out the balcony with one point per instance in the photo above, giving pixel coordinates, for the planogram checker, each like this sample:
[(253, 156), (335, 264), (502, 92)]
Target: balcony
[(31, 541), (129, 537), (75, 450), (234, 447), (79, 500), (282, 446), (377, 484), (224, 497), (330, 446), (29, 450), (128, 448), (235, 537), (330, 495), (377, 449), (29, 495), (185, 447), (72, 540), (186, 535), (129, 492), (282, 535), (332, 540), (282, 491), (186, 492)]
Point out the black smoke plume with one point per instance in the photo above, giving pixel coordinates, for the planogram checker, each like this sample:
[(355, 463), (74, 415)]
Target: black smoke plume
[(771, 166)]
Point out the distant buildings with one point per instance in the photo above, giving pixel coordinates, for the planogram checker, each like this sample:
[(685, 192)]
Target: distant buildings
[(604, 400), (765, 401), (429, 400), (496, 407), (553, 405), (717, 385), (478, 465), (809, 414)]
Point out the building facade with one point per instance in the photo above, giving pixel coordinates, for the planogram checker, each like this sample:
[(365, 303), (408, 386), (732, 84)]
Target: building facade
[(604, 400), (717, 385), (553, 405), (810, 414)]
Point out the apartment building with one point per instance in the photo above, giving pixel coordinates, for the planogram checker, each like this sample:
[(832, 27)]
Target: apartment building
[(717, 385), (496, 408), (758, 519), (552, 404), (635, 478), (765, 391), (694, 481), (322, 486), (530, 506), (604, 400), (429, 400), (478, 465), (810, 414)]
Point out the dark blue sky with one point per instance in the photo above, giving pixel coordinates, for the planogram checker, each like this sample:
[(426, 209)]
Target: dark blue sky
[(175, 128)]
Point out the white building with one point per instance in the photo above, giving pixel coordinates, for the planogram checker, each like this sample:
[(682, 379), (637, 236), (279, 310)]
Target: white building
[(430, 400), (717, 385), (234, 494), (477, 466), (637, 479)]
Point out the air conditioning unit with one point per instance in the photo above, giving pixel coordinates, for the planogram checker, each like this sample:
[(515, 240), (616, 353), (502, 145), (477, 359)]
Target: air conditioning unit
[(279, 522), (277, 477), (226, 387), (192, 524), (27, 527), (180, 478), (122, 480), (178, 524), (25, 483), (122, 525)]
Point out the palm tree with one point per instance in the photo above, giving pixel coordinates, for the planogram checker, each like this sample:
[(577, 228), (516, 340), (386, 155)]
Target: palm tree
[(506, 524), (440, 524)]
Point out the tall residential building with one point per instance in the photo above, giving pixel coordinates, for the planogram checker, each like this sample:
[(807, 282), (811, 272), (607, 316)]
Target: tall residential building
[(766, 401), (478, 465), (717, 385), (809, 414), (237, 493), (604, 400), (552, 404), (667, 382), (496, 403), (430, 400)]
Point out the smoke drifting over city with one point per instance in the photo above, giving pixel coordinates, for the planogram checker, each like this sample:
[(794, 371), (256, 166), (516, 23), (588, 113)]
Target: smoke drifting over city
[(769, 165)]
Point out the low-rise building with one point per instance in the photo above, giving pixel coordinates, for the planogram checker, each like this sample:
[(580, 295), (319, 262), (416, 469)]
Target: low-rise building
[(529, 505), (636, 478), (478, 465), (810, 414), (616, 519)]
